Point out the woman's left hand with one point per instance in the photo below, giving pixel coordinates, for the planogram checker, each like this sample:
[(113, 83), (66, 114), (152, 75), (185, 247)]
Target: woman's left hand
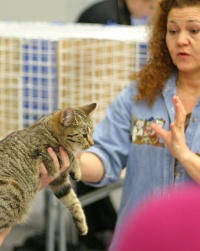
[(175, 141), (175, 138)]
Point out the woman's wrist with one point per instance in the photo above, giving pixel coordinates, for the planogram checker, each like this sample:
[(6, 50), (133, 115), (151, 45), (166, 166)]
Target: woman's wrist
[(190, 161)]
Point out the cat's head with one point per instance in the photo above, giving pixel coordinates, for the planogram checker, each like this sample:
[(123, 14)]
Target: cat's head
[(76, 127)]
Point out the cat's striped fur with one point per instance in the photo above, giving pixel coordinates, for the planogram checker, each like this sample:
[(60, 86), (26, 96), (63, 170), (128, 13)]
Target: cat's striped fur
[(21, 153)]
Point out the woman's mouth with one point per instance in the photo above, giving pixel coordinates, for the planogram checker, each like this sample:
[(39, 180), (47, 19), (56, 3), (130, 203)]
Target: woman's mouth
[(183, 54)]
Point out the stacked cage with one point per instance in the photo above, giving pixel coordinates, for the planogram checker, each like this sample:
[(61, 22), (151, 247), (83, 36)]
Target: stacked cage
[(45, 66), (96, 69), (10, 85), (39, 79), (28, 70)]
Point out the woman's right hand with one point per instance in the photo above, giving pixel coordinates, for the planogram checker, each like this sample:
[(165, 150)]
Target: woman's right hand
[(45, 178)]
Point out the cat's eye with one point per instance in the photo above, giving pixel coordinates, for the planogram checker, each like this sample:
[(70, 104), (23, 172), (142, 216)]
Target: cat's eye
[(84, 135)]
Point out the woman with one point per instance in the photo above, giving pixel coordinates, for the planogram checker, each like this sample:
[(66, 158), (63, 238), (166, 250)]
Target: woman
[(45, 179), (164, 97), (126, 12)]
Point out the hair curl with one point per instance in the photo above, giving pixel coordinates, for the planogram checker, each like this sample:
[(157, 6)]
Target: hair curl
[(152, 77)]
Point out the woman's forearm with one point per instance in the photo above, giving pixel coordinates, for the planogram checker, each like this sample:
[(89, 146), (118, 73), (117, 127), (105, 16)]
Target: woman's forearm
[(91, 167)]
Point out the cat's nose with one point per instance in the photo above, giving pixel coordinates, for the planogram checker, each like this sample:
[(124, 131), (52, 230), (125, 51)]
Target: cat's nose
[(91, 142)]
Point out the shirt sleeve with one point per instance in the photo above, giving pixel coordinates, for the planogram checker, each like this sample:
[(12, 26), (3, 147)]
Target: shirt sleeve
[(112, 137)]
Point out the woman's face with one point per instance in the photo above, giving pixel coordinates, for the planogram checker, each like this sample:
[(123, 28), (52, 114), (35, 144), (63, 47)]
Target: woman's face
[(183, 37), (140, 8)]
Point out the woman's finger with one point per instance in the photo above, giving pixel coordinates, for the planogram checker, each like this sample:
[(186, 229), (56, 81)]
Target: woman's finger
[(64, 158), (54, 157), (165, 135), (180, 113), (45, 179)]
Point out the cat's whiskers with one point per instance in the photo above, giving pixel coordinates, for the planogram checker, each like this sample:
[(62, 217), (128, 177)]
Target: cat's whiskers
[(73, 152), (77, 151)]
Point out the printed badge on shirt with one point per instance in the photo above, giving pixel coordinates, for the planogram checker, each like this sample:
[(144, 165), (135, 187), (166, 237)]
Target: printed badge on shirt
[(142, 133)]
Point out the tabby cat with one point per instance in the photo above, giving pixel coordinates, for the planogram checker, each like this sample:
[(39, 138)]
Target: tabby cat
[(21, 153)]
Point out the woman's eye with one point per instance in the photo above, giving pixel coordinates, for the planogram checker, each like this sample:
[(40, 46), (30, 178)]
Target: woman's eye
[(173, 32), (194, 31)]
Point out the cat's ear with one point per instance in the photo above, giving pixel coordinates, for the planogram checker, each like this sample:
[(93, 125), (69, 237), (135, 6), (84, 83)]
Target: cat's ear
[(67, 117), (89, 108)]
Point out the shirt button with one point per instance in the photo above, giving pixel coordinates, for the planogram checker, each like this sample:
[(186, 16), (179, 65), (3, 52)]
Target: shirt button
[(180, 174), (194, 120)]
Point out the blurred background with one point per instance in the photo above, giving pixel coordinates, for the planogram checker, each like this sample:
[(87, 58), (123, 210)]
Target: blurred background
[(43, 10)]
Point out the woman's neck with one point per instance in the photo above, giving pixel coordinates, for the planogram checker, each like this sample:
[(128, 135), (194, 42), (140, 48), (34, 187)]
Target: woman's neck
[(189, 83), (189, 88)]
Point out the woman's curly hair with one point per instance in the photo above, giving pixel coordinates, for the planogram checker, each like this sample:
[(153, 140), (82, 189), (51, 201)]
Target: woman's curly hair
[(152, 77)]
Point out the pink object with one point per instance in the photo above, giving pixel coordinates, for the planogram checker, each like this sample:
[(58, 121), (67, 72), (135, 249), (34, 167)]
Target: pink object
[(165, 224)]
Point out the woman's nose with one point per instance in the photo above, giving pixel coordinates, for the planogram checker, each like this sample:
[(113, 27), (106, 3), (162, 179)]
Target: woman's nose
[(183, 38)]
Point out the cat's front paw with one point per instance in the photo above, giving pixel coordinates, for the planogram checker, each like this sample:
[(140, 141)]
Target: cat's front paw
[(81, 227), (75, 175)]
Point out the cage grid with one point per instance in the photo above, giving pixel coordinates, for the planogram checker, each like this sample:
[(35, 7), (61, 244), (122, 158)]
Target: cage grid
[(93, 70), (39, 79), (45, 66), (10, 86)]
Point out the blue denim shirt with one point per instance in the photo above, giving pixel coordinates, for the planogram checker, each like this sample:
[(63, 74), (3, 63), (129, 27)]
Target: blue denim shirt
[(124, 139)]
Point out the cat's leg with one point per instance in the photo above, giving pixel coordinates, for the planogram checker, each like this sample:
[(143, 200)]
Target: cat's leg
[(63, 190), (74, 169)]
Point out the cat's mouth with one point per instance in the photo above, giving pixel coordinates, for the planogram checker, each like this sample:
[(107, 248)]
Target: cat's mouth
[(86, 147), (76, 151)]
